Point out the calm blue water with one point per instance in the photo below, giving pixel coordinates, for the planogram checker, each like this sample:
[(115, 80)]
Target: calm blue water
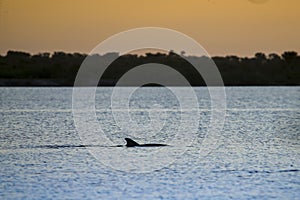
[(257, 156)]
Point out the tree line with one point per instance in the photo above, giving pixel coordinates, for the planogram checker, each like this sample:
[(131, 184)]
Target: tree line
[(60, 69)]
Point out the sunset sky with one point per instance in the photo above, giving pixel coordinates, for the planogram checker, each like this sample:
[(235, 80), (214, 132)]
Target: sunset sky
[(222, 27)]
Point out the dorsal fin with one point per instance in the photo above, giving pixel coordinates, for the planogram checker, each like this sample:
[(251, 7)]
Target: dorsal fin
[(131, 143)]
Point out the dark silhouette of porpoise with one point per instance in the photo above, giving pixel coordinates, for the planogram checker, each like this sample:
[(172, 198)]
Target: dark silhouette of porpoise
[(132, 143)]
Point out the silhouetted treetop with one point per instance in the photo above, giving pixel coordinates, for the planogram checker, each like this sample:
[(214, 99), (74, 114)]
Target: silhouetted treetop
[(21, 68), (289, 55)]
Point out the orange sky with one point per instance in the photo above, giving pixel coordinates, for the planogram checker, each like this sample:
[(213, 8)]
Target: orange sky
[(222, 27)]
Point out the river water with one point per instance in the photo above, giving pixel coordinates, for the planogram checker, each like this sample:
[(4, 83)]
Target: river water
[(256, 156)]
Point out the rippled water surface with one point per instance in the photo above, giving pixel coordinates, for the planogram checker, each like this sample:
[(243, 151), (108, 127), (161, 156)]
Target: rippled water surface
[(257, 155)]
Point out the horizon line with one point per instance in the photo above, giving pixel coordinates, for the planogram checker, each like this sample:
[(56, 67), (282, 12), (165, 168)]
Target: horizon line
[(144, 53)]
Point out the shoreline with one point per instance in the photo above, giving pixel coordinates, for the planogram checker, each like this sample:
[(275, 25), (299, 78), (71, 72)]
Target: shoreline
[(109, 83)]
